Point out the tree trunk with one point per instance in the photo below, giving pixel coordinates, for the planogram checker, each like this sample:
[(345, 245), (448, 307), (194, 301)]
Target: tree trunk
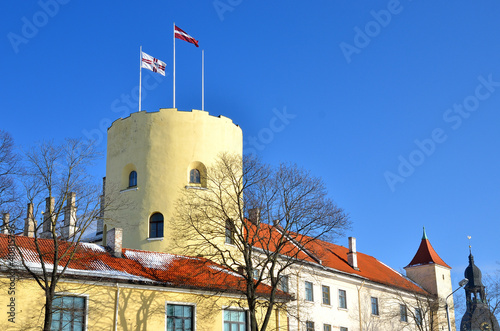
[(50, 294), (48, 310)]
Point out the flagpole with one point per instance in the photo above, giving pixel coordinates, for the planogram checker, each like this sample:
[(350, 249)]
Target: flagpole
[(202, 79), (140, 76), (174, 65)]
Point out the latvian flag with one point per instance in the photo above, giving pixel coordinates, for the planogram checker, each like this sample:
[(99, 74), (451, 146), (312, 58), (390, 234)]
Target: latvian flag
[(180, 34), (153, 64)]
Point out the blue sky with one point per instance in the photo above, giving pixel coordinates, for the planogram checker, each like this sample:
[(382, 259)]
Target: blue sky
[(395, 104)]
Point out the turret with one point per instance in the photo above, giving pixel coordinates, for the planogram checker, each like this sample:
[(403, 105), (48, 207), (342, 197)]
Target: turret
[(430, 271)]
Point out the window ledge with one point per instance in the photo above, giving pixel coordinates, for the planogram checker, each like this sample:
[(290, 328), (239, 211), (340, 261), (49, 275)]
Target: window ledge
[(343, 309), (133, 188), (155, 239), (191, 187)]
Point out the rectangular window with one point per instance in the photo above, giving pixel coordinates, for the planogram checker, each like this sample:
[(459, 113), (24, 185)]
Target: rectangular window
[(180, 318), (326, 294), (284, 283), (68, 313), (343, 329), (327, 327), (309, 326), (403, 313), (309, 291), (255, 274), (234, 320), (418, 316), (374, 306), (229, 232), (342, 299)]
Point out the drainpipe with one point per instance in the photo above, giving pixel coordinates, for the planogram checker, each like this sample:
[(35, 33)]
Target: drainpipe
[(359, 306), (298, 304), (116, 306), (298, 298)]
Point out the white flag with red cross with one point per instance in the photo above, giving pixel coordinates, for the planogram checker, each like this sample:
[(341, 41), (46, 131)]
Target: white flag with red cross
[(153, 64)]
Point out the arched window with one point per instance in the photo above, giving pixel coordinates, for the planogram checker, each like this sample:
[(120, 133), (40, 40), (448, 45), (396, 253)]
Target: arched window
[(194, 176), (132, 179), (156, 226)]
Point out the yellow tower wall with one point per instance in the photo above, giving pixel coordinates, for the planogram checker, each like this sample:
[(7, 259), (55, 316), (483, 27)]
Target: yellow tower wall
[(435, 279), (161, 147)]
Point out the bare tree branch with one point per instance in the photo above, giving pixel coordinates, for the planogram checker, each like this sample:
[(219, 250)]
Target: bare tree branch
[(257, 221), (57, 176)]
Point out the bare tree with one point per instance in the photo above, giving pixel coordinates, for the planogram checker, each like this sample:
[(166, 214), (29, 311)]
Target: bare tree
[(257, 221), (493, 296), (417, 309), (57, 176), (8, 169)]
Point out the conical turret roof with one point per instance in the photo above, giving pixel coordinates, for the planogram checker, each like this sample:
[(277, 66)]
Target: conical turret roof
[(426, 254)]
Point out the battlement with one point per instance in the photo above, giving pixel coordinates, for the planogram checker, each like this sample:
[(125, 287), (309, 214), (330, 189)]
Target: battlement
[(171, 112)]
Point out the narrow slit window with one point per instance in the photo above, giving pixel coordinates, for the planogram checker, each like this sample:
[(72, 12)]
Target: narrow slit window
[(229, 233)]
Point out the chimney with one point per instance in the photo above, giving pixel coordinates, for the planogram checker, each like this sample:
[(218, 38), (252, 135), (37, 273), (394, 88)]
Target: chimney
[(352, 256), (69, 228), (29, 222), (48, 218), (254, 215), (6, 220), (114, 241)]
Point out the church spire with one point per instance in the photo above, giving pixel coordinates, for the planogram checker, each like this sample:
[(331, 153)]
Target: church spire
[(478, 315)]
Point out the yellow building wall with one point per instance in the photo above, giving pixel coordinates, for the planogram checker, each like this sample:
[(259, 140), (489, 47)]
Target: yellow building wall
[(161, 147), (140, 308)]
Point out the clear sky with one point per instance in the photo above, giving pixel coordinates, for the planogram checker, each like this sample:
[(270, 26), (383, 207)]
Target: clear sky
[(395, 104)]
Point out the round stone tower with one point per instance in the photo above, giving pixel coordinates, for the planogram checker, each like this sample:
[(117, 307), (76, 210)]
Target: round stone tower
[(151, 157)]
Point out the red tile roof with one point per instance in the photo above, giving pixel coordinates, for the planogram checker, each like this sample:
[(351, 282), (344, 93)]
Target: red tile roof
[(334, 257), (426, 255), (136, 266)]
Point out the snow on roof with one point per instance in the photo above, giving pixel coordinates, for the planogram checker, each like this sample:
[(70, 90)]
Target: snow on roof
[(162, 269)]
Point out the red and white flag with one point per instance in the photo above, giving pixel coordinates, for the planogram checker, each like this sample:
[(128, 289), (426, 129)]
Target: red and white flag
[(180, 34), (153, 64)]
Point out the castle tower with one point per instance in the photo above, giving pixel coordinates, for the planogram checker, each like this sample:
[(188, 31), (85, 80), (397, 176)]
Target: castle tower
[(429, 271), (151, 158), (478, 316)]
